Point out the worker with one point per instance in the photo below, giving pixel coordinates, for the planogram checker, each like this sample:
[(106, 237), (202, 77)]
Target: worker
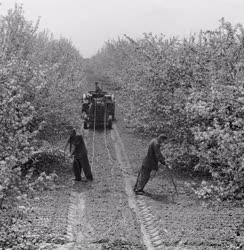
[(80, 158), (150, 162), (97, 88), (72, 134)]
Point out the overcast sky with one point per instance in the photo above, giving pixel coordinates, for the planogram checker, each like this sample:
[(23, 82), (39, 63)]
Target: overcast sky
[(89, 23)]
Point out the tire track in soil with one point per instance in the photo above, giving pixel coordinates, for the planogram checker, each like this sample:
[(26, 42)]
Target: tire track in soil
[(151, 229), (79, 231)]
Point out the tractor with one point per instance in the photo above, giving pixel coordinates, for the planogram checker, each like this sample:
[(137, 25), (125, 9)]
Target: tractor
[(98, 109)]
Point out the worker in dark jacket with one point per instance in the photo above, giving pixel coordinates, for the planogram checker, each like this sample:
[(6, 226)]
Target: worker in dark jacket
[(150, 163), (72, 134), (79, 153)]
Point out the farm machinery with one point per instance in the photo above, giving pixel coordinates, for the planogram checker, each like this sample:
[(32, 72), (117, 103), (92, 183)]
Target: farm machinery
[(98, 109)]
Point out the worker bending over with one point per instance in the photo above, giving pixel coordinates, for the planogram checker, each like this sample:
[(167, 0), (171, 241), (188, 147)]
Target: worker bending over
[(150, 163)]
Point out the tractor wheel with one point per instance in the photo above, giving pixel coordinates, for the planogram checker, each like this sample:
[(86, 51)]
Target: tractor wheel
[(91, 125), (85, 125), (110, 124), (113, 117)]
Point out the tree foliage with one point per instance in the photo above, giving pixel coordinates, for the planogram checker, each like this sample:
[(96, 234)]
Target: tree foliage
[(40, 84), (193, 90)]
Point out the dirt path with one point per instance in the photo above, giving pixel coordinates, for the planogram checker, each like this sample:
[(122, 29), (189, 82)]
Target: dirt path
[(102, 213), (105, 214)]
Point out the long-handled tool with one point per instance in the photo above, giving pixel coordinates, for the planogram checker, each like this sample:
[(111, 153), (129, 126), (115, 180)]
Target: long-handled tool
[(169, 172)]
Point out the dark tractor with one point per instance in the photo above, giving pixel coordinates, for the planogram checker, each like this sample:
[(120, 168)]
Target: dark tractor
[(98, 108)]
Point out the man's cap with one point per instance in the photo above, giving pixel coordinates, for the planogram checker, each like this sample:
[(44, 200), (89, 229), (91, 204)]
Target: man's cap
[(162, 136)]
